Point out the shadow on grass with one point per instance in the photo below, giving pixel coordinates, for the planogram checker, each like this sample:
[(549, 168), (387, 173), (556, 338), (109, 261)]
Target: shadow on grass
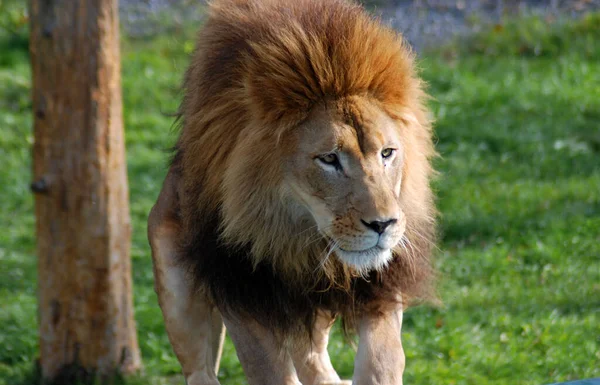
[(76, 375)]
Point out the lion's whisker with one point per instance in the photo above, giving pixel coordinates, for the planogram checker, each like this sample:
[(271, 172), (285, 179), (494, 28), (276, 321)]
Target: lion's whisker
[(331, 246), (413, 232)]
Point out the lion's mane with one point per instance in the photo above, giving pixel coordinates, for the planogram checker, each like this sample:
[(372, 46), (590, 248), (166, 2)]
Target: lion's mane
[(258, 69)]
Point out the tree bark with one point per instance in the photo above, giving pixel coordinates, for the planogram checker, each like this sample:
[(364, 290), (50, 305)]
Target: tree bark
[(80, 180)]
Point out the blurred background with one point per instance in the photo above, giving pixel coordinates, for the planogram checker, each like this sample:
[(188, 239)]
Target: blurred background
[(423, 22), (516, 98)]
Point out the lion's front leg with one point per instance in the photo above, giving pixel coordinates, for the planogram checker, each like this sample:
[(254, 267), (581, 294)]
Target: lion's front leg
[(194, 327), (312, 359), (264, 359), (380, 357)]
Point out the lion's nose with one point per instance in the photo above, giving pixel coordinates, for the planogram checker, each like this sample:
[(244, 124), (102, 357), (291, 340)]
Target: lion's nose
[(379, 226)]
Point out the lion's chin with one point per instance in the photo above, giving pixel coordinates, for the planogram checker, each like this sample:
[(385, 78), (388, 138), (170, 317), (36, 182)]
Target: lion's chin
[(374, 258)]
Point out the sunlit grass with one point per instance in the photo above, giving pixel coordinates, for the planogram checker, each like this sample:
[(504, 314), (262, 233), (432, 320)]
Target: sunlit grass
[(518, 130)]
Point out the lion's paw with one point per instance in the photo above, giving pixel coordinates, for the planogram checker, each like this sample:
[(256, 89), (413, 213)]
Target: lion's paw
[(341, 382), (201, 378)]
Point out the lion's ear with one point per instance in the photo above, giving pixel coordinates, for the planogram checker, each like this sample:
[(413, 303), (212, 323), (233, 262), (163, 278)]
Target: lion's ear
[(409, 118), (417, 118), (404, 115)]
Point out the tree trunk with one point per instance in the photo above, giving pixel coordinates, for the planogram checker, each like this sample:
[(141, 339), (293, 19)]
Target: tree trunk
[(80, 180)]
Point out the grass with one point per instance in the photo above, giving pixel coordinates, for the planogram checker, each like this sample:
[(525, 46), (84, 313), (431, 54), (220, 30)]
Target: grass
[(518, 128)]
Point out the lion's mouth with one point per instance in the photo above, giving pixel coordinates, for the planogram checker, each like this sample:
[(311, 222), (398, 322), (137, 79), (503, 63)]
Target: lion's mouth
[(375, 248), (373, 258)]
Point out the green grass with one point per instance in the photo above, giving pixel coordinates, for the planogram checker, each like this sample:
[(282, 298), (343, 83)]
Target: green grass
[(518, 128)]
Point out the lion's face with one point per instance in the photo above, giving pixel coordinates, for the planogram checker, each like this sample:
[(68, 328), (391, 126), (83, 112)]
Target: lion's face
[(347, 174)]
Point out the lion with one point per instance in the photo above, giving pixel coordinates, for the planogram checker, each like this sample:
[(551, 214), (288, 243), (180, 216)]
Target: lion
[(298, 192)]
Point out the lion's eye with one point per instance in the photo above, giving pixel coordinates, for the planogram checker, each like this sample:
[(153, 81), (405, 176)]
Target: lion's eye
[(330, 159), (387, 153)]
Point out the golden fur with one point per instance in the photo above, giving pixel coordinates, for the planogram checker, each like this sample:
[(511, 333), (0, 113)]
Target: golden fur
[(260, 69), (299, 191)]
